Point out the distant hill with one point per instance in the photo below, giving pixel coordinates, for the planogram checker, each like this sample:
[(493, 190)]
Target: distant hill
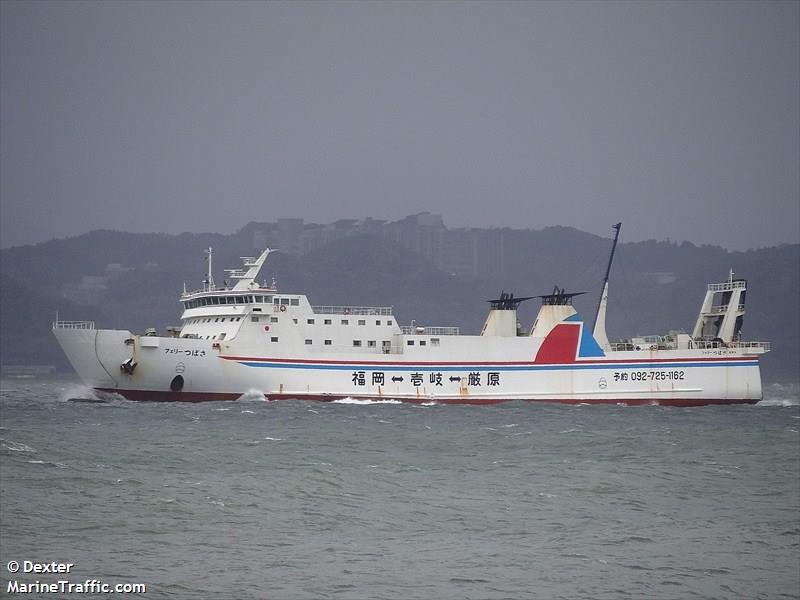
[(135, 280)]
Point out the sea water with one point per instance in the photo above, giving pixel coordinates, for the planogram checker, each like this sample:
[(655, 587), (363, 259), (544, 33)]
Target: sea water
[(296, 499)]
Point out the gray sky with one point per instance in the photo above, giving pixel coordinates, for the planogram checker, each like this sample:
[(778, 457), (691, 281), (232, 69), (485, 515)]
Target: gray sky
[(679, 119)]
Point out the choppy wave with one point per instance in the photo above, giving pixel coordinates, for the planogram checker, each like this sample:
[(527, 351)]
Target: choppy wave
[(16, 446), (365, 401), (253, 395), (781, 394)]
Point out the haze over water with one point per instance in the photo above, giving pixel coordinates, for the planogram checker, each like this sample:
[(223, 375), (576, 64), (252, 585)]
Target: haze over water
[(258, 499)]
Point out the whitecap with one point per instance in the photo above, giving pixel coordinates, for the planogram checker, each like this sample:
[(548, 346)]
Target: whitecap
[(780, 402), (48, 463), (253, 395), (17, 446), (78, 392), (248, 411), (349, 400), (272, 439)]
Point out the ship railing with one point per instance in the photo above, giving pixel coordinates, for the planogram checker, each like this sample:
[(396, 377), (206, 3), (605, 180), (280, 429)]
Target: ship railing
[(639, 345), (215, 291), (411, 330), (709, 344), (353, 310), (728, 285), (721, 308), (73, 325), (648, 339), (765, 346)]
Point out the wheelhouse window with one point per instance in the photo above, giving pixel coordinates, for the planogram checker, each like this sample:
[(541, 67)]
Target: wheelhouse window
[(308, 342), (295, 301), (328, 342), (273, 339), (328, 321), (362, 321), (345, 322), (410, 342), (310, 321), (357, 343), (371, 344)]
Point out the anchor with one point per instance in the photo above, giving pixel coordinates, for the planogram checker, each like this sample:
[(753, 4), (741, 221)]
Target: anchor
[(128, 367)]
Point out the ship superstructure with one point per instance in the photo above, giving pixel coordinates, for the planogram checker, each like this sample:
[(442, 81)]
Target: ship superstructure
[(250, 338)]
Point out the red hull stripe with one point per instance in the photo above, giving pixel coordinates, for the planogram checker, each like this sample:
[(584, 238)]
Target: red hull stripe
[(168, 396)]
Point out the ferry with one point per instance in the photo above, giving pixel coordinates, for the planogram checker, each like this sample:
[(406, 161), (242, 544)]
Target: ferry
[(249, 339)]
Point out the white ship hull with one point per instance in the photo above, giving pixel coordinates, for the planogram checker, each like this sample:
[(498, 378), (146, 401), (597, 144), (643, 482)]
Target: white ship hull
[(666, 377)]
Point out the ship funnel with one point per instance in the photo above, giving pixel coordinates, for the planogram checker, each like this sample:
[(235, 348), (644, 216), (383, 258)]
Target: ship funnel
[(556, 307), (502, 318)]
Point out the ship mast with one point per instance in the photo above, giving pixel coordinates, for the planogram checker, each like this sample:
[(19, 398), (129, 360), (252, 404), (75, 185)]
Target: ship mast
[(599, 329), (209, 277)]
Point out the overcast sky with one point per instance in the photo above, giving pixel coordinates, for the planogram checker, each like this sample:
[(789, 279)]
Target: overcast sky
[(678, 119)]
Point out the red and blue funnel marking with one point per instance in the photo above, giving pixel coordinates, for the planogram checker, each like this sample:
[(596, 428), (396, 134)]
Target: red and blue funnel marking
[(568, 342)]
